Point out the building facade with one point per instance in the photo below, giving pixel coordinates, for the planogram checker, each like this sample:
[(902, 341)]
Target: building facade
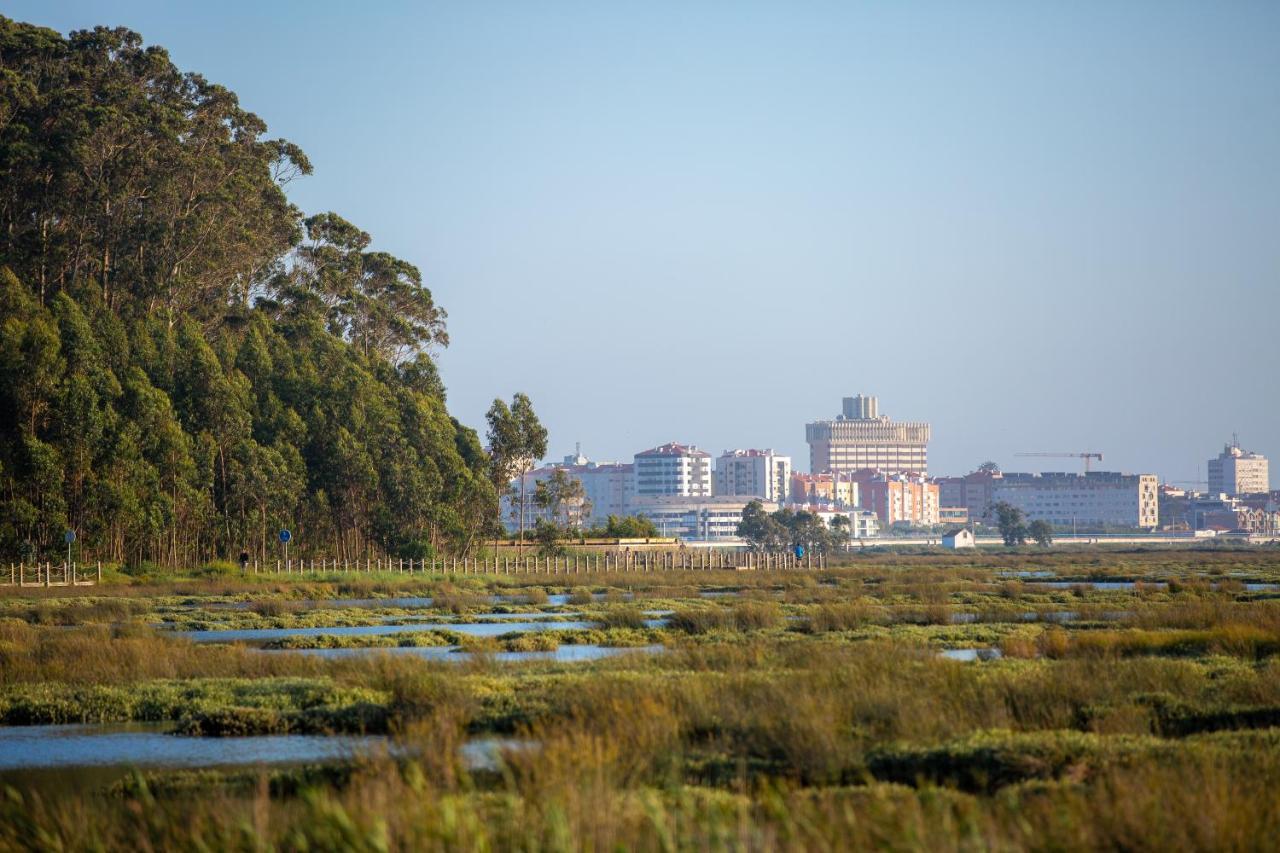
[(972, 492), (899, 498), (860, 438), (673, 470), (837, 491), (607, 490), (1096, 498), (753, 473), (1238, 472), (695, 519)]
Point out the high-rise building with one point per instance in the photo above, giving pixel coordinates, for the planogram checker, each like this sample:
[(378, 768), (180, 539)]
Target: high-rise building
[(861, 438), (753, 473), (673, 469), (1096, 498), (1238, 472)]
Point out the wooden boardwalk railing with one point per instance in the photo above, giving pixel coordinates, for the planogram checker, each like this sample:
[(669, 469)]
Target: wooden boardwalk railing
[(52, 574), (572, 564), (63, 574)]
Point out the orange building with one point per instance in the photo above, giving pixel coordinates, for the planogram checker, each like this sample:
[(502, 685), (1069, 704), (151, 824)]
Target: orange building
[(820, 489), (898, 498)]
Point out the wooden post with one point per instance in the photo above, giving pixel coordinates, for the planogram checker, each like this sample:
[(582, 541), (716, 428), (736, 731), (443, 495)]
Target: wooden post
[(255, 566)]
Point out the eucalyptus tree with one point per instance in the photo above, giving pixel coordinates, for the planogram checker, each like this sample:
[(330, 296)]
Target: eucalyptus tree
[(517, 440)]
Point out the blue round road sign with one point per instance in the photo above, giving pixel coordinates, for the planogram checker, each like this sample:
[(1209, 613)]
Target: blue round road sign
[(285, 536), (799, 552), (69, 536)]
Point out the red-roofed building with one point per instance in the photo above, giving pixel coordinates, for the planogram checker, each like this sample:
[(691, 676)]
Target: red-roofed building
[(673, 469)]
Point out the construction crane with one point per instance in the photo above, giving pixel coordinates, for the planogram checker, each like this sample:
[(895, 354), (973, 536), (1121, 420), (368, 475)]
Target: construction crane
[(1086, 456)]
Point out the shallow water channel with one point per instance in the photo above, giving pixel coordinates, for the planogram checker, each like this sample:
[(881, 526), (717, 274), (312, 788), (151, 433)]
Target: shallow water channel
[(563, 654), (94, 754)]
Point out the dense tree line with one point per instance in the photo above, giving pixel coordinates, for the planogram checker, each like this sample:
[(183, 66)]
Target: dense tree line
[(187, 363), (785, 529)]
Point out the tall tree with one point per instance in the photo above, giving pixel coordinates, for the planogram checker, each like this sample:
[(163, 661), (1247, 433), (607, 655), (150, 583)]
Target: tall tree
[(517, 440)]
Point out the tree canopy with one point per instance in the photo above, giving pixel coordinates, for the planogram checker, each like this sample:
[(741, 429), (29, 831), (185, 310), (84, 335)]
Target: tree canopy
[(190, 362)]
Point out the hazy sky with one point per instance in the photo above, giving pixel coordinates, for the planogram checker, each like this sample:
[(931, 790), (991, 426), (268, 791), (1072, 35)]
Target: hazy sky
[(1040, 226)]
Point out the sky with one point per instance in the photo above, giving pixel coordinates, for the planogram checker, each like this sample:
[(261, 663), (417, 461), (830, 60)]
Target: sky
[(1038, 226)]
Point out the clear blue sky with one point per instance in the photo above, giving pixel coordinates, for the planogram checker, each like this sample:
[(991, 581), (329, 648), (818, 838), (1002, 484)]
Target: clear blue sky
[(1040, 226)]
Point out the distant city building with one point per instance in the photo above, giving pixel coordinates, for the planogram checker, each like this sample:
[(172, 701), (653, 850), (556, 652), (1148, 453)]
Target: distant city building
[(1224, 514), (833, 491), (753, 473), (861, 438), (954, 515), (607, 489), (898, 498), (862, 522), (1238, 472), (1096, 498), (673, 469), (695, 519), (972, 492)]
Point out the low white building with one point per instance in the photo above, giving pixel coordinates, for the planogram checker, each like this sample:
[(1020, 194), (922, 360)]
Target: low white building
[(695, 519), (959, 538)]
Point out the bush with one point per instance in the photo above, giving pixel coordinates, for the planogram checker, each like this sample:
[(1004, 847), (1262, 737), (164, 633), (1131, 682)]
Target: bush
[(622, 617), (757, 615)]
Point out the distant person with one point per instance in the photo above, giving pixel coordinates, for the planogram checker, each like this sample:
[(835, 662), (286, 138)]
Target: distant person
[(244, 560)]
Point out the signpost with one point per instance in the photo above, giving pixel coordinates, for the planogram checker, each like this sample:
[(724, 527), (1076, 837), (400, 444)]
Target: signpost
[(69, 537), (285, 536)]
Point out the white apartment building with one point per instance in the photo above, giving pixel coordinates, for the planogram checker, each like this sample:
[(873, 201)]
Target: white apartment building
[(860, 438), (1096, 498), (695, 519), (1238, 472), (753, 473), (606, 487), (673, 469)]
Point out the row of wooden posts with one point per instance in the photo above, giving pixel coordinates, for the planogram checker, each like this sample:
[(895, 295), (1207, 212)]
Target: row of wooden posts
[(71, 574), (572, 564), (53, 574)]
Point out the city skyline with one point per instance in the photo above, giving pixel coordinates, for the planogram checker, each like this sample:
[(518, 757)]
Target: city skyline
[(709, 226)]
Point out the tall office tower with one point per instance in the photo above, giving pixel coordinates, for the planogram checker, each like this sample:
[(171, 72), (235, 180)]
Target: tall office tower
[(861, 438)]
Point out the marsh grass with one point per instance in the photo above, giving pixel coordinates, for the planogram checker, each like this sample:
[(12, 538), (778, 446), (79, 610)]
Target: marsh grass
[(810, 711)]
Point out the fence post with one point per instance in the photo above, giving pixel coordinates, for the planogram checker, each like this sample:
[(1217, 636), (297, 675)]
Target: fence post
[(99, 571)]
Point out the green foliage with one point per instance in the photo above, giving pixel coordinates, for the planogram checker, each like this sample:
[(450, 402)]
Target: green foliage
[(1012, 524), (625, 527), (186, 364), (786, 529), (1042, 532)]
